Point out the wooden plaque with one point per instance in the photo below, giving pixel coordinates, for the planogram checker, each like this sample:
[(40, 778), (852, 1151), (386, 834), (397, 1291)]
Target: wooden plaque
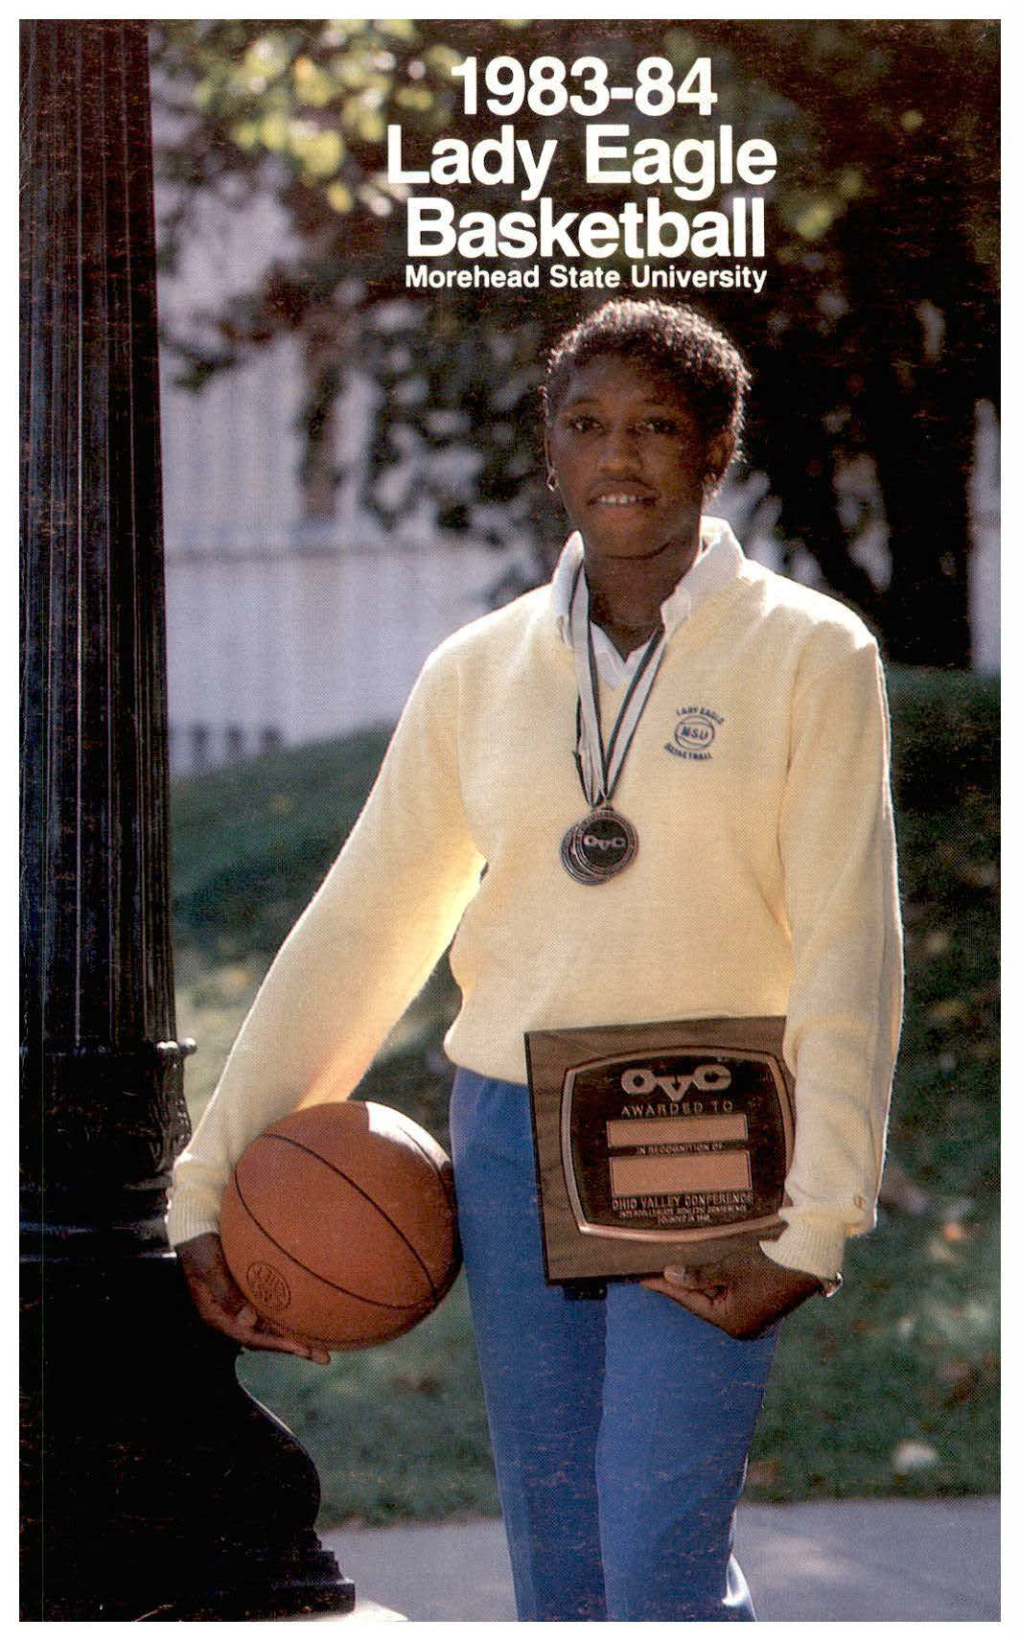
[(658, 1144)]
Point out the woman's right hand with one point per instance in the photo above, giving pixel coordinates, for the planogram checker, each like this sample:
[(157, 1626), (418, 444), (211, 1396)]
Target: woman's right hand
[(221, 1304)]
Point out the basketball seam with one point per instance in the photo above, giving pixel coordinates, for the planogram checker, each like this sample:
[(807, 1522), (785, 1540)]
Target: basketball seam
[(449, 1193), (285, 1139), (383, 1304), (430, 1159)]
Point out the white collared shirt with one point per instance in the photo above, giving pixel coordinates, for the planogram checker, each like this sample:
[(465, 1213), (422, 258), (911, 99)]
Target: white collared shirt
[(718, 561)]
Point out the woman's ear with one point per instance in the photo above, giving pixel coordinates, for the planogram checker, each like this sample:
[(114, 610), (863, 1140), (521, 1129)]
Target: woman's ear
[(718, 455)]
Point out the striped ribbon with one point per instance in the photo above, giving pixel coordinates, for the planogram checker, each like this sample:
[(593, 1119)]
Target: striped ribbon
[(599, 766)]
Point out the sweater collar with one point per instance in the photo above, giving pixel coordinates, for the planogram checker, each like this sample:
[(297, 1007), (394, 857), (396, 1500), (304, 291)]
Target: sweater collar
[(719, 559)]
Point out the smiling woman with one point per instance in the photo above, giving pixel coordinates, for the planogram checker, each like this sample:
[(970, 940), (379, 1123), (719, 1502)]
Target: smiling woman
[(644, 407), (752, 878), (631, 464)]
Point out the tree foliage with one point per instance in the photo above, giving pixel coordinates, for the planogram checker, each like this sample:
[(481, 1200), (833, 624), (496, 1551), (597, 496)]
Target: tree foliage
[(871, 343), (882, 334)]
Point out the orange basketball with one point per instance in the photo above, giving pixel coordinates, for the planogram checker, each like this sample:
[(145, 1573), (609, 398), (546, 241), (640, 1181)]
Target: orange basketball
[(339, 1224)]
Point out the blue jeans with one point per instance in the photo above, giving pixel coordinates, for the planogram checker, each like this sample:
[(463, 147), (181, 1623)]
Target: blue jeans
[(620, 1427)]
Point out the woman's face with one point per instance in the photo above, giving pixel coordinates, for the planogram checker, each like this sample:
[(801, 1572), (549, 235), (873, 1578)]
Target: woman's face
[(630, 459)]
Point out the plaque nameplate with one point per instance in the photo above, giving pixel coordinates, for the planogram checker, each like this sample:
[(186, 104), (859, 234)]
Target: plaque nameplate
[(658, 1144)]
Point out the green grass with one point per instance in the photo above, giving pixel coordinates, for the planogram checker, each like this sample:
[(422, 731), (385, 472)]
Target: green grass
[(397, 1432), (907, 1353)]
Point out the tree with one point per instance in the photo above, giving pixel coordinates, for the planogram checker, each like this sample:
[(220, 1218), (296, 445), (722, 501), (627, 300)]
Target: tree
[(871, 343), (889, 318)]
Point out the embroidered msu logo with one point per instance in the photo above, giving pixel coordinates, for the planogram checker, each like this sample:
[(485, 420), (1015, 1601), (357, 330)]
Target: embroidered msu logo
[(268, 1287), (695, 731)]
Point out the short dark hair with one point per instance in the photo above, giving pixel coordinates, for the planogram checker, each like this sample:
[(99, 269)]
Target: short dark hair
[(673, 339)]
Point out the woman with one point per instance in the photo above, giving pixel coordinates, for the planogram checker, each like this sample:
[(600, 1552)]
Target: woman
[(763, 884)]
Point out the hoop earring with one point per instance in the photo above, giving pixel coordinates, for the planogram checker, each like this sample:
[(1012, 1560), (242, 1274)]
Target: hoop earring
[(551, 481)]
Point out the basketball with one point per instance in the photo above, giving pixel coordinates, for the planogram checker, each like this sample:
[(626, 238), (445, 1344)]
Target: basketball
[(339, 1224)]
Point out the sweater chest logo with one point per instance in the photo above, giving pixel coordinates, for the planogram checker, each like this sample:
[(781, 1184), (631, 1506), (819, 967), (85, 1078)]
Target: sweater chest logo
[(694, 733)]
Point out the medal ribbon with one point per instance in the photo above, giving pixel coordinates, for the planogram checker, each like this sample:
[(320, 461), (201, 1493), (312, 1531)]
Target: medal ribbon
[(598, 767)]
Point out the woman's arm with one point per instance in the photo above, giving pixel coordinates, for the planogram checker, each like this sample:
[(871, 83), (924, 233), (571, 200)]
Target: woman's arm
[(354, 960), (846, 994), (843, 1017)]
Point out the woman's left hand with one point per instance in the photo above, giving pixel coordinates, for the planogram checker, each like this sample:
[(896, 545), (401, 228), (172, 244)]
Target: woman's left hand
[(743, 1294)]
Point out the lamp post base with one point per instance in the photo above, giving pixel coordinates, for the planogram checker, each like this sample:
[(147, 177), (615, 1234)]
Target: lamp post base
[(170, 1493)]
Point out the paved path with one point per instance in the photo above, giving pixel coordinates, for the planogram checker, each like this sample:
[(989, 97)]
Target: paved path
[(867, 1560)]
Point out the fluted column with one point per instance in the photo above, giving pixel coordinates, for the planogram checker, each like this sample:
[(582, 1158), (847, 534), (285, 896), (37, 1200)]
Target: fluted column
[(154, 1487)]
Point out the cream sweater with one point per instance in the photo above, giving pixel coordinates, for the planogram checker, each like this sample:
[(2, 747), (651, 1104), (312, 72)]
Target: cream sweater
[(765, 883)]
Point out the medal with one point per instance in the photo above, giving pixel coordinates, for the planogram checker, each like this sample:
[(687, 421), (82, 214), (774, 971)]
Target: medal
[(602, 845), (599, 846)]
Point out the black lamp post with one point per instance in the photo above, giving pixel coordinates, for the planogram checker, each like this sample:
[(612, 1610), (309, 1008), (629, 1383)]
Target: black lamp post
[(154, 1487)]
